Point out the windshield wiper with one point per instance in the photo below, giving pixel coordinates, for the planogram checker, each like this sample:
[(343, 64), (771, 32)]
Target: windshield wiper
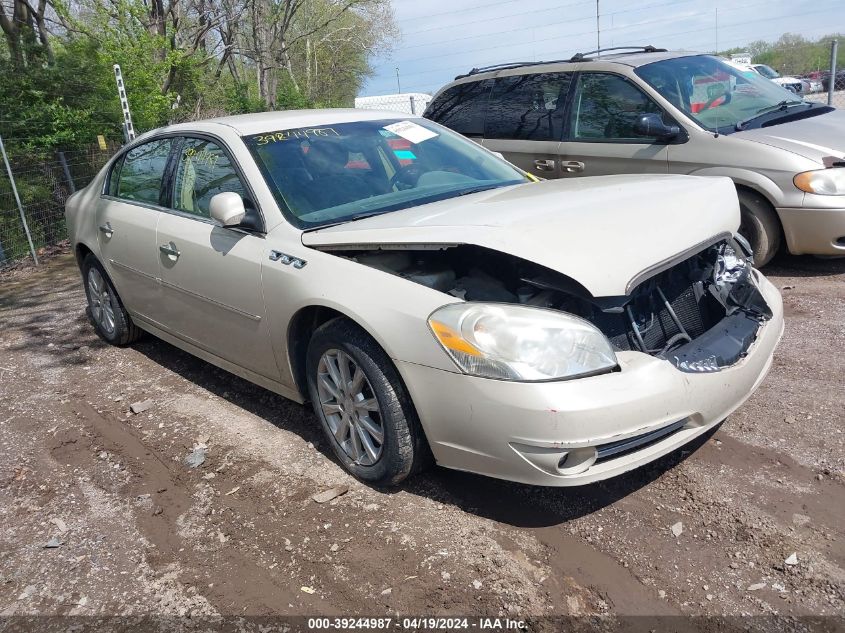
[(782, 106), (467, 192), (366, 214)]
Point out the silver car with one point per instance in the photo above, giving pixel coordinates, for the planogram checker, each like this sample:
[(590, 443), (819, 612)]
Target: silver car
[(653, 111), (427, 297)]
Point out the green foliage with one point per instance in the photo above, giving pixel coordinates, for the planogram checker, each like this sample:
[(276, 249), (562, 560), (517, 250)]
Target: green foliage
[(793, 54), (64, 105), (289, 98)]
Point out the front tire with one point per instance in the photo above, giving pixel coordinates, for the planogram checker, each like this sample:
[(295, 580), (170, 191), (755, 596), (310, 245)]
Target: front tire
[(111, 321), (759, 225), (362, 405)]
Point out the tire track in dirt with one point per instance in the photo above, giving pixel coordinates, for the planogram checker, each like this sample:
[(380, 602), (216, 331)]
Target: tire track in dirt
[(170, 491)]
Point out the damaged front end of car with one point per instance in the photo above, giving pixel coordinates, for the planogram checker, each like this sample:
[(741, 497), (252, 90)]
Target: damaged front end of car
[(700, 311)]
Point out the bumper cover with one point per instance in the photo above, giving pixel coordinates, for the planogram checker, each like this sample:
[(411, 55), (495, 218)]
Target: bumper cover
[(553, 433), (813, 231)]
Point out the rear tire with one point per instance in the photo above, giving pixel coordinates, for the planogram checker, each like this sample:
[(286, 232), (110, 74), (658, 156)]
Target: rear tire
[(110, 319), (759, 225), (368, 417)]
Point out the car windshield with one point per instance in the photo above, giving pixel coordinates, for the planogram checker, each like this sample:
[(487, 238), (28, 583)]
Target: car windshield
[(715, 94), (767, 71), (341, 172)]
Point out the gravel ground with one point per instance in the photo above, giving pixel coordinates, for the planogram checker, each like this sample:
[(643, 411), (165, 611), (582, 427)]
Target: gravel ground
[(101, 515)]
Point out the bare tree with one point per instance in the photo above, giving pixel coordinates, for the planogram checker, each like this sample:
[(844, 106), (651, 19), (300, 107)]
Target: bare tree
[(279, 27), (24, 26)]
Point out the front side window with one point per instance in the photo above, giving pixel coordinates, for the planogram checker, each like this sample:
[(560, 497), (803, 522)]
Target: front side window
[(341, 172), (140, 173), (461, 107), (528, 107), (202, 171), (606, 108), (714, 93)]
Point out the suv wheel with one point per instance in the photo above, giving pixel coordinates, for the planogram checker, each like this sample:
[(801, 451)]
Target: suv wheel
[(759, 225), (362, 405)]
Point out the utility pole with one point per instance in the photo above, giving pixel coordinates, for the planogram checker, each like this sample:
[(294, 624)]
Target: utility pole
[(598, 30), (398, 87)]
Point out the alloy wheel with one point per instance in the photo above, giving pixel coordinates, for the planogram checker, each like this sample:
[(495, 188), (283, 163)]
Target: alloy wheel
[(350, 407), (102, 309)]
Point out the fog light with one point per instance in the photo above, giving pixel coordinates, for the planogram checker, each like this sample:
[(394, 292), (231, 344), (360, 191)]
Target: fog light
[(577, 460)]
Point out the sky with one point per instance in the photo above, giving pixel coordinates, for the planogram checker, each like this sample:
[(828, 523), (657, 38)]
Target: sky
[(444, 38)]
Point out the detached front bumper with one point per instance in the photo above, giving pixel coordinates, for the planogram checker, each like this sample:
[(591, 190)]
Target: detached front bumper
[(568, 433)]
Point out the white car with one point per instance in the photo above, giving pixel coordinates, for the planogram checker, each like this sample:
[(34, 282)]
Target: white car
[(792, 84), (428, 297)]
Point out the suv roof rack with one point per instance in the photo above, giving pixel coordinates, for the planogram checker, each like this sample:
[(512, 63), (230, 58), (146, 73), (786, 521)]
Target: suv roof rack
[(504, 66), (577, 57), (580, 57)]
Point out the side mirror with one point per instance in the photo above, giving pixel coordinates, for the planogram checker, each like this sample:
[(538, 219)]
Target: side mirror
[(227, 208), (652, 126)]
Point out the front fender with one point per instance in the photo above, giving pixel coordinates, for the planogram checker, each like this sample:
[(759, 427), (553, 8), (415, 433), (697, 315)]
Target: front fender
[(747, 178), (393, 310)]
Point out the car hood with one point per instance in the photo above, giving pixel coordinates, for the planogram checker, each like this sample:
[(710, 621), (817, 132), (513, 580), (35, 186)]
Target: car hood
[(602, 232), (816, 137)]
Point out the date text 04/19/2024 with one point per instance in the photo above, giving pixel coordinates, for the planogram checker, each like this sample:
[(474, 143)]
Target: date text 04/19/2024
[(417, 623)]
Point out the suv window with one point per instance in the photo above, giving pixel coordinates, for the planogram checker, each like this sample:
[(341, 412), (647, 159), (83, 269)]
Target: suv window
[(528, 107), (139, 174), (461, 107), (606, 107), (203, 170)]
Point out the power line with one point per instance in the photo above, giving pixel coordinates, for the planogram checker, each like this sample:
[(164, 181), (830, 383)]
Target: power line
[(619, 28), (500, 17), (545, 39), (464, 10)]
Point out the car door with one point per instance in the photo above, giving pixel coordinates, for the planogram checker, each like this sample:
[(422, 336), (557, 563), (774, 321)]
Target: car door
[(211, 275), (127, 217), (524, 122), (600, 137)]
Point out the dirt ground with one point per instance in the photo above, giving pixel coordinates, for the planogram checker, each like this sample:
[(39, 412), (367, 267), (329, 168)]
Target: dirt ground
[(136, 530)]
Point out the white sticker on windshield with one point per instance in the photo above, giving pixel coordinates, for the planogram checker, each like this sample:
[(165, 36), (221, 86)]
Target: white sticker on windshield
[(410, 131)]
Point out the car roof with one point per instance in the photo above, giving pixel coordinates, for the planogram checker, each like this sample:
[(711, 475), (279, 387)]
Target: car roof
[(247, 124), (632, 59)]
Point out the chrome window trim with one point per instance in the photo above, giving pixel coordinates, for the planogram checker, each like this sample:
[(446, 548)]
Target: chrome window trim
[(178, 135)]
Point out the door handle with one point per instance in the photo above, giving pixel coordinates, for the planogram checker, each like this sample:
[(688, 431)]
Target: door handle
[(572, 166), (544, 165), (106, 229), (170, 250)]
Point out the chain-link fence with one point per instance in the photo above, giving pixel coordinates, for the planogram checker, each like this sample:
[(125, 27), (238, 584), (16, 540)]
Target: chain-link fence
[(410, 102), (44, 180)]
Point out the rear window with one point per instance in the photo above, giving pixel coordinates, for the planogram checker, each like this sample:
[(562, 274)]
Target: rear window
[(461, 108)]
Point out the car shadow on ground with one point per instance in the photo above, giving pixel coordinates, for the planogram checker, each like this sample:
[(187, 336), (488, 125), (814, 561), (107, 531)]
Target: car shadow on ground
[(526, 506), (785, 265), (502, 501)]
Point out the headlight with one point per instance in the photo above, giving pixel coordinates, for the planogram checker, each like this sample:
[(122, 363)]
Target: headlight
[(825, 182), (513, 342)]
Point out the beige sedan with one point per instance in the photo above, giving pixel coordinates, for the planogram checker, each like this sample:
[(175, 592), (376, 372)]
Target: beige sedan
[(429, 298)]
